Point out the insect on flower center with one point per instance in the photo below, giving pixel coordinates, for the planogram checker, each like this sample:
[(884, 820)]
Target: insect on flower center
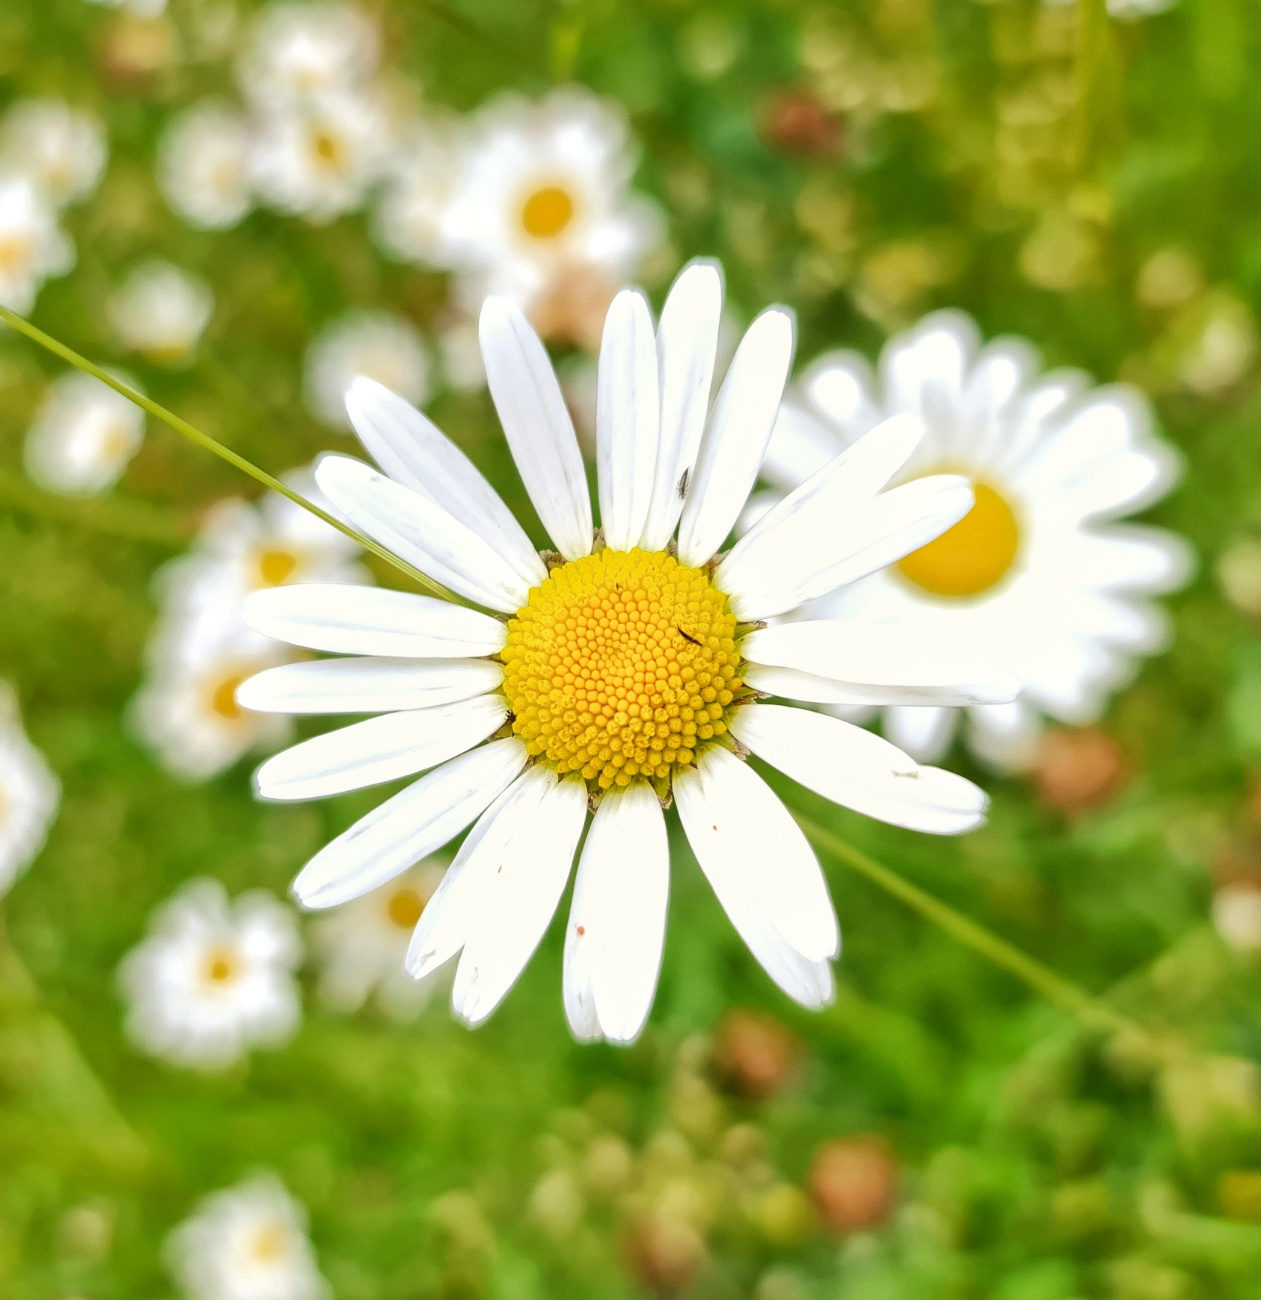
[(620, 666), (405, 907), (547, 212), (971, 557)]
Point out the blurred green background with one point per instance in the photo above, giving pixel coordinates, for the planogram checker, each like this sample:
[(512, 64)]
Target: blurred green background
[(865, 163)]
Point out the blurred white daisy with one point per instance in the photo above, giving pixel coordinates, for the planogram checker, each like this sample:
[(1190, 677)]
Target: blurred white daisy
[(29, 794), (461, 355), (204, 166), (84, 435), (1236, 912), (543, 189), (213, 978), (161, 311), (297, 51), (410, 218), (140, 8), (63, 150), (33, 246), (248, 1242), (1038, 573), (378, 344), (362, 946), (318, 159), (615, 673)]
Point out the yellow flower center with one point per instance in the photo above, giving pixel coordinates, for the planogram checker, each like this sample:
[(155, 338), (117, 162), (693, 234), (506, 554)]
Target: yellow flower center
[(405, 906), (223, 697), (620, 665), (547, 212), (15, 253), (971, 557), (328, 150), (221, 966), (269, 1243), (276, 566)]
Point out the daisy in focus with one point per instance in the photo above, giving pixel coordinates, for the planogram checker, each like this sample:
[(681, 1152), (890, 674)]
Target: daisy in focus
[(542, 194), (33, 247), (62, 150), (84, 435), (622, 672), (213, 978), (160, 312), (362, 946), (29, 794), (1038, 572), (377, 344), (247, 1242)]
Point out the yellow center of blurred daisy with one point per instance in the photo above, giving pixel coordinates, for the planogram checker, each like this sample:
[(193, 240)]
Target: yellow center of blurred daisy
[(269, 1243), (221, 966), (547, 212), (276, 566), (620, 665), (971, 557), (15, 253), (328, 150), (223, 697), (405, 907)]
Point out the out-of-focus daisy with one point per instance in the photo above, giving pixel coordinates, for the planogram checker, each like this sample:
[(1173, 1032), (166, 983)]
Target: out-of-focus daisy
[(248, 1242), (139, 8), (298, 51), (213, 978), (204, 166), (29, 794), (409, 220), (461, 355), (362, 946), (33, 246), (63, 150), (623, 672), (543, 190), (84, 435), (318, 159), (1038, 573), (378, 344), (161, 311), (1237, 916)]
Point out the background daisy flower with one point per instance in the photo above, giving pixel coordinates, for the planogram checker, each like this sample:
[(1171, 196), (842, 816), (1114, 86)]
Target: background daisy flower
[(29, 794)]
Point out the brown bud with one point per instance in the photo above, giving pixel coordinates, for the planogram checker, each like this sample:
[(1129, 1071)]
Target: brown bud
[(854, 1182), (755, 1054), (1076, 768), (665, 1255), (797, 123), (573, 308)]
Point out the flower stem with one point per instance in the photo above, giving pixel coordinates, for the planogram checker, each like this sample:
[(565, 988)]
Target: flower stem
[(1091, 1011), (207, 443)]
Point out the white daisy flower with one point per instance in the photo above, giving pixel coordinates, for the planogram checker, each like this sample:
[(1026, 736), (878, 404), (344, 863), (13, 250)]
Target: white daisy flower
[(213, 978), (84, 435), (140, 8), (29, 794), (161, 311), (63, 150), (378, 344), (363, 946), (33, 246), (204, 166), (544, 188), (297, 51), (248, 1242), (318, 159), (622, 671), (409, 220), (1038, 573)]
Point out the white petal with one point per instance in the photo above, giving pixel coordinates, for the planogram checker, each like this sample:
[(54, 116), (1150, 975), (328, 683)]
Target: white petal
[(882, 655), (411, 449), (425, 535), (735, 441), (617, 921), (371, 685), (381, 749), (410, 826), (858, 770), (519, 900), (807, 556), (537, 425), (741, 860), (1128, 558), (1005, 736), (628, 418), (372, 621), (925, 734), (687, 344)]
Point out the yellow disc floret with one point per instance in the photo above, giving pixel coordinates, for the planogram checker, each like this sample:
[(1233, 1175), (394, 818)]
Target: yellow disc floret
[(620, 665), (974, 555)]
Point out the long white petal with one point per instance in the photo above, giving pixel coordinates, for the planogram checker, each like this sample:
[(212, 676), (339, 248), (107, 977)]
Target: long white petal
[(925, 733), (411, 449), (380, 749), (372, 621), (807, 556), (853, 768), (369, 685), (410, 826), (617, 921), (881, 655), (537, 425), (446, 549), (687, 344), (519, 899), (791, 684), (735, 441), (628, 418)]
